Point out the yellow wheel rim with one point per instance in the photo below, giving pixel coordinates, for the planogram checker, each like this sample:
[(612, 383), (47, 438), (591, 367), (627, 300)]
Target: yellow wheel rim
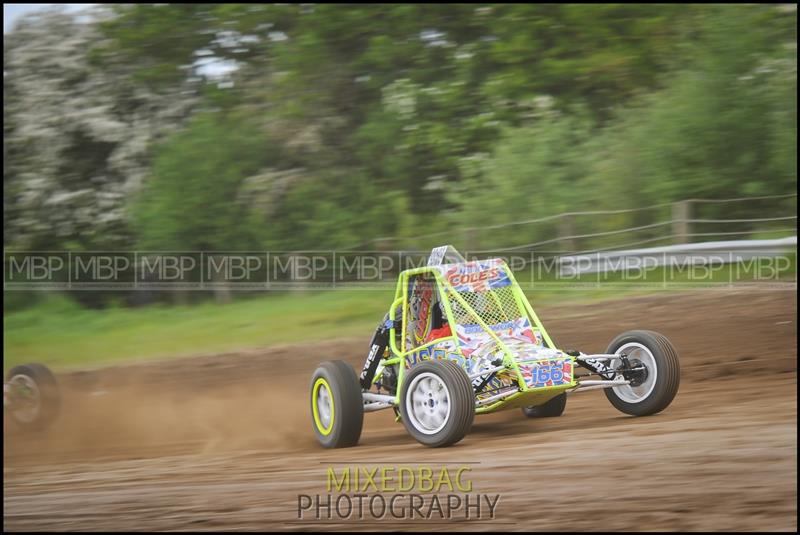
[(322, 406)]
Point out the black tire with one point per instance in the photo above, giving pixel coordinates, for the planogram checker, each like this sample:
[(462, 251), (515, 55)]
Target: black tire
[(33, 407), (461, 402), (668, 373), (554, 407), (347, 411)]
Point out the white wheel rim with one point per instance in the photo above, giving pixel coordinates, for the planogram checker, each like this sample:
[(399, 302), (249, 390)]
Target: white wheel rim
[(26, 410), (324, 405), (637, 394), (428, 403)]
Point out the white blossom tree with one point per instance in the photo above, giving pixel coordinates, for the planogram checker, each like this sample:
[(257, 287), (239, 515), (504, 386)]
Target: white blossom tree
[(77, 133)]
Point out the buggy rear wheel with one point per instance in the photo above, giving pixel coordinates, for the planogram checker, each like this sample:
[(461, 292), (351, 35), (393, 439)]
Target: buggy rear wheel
[(554, 407), (437, 403), (337, 408), (34, 400), (654, 385)]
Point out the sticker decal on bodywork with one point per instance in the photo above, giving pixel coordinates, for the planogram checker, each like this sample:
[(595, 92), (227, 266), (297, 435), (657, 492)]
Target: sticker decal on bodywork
[(545, 373)]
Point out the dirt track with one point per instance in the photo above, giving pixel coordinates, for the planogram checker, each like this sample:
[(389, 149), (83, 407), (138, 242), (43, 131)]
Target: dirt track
[(224, 442)]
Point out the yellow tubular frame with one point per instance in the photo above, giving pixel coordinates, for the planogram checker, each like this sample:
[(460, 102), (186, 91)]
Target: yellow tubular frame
[(399, 355)]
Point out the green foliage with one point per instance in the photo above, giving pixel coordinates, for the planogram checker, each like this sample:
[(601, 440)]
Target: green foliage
[(708, 132), (536, 171), (403, 92), (344, 123), (160, 38), (721, 127), (319, 212), (191, 201)]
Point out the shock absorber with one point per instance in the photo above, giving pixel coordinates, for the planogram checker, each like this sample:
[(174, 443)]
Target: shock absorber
[(377, 347)]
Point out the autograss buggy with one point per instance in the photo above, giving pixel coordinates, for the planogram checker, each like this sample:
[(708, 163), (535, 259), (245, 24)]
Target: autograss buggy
[(31, 396), (461, 339)]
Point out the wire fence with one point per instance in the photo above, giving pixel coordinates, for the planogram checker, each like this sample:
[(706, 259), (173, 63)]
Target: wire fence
[(563, 250), (684, 221)]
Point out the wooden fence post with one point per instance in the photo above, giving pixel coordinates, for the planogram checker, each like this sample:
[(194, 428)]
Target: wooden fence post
[(566, 228), (221, 289), (681, 214), (383, 245)]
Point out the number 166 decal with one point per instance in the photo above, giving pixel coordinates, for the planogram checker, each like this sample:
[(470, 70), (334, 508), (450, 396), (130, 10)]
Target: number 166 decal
[(548, 374)]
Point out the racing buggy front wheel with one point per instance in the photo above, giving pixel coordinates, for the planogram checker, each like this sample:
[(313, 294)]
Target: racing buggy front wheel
[(437, 403), (337, 408), (32, 396), (653, 371)]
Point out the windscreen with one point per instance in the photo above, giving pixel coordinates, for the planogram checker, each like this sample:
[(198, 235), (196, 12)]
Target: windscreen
[(446, 254)]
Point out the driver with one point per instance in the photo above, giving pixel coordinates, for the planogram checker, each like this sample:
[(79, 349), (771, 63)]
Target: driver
[(443, 330)]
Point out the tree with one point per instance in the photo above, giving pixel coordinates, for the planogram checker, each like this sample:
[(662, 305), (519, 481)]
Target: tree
[(192, 199), (78, 136)]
